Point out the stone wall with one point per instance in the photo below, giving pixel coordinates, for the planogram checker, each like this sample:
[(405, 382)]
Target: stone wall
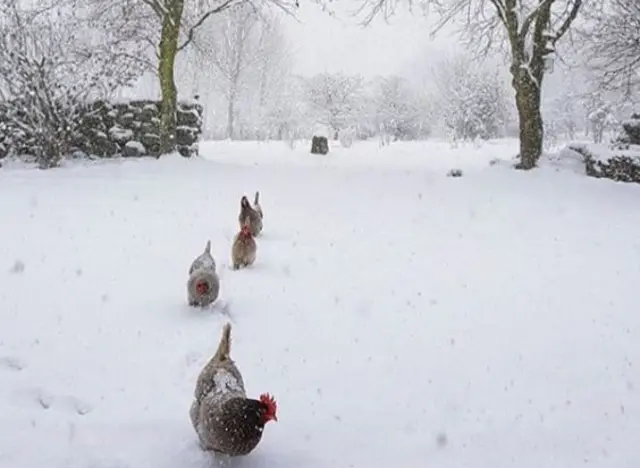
[(128, 129)]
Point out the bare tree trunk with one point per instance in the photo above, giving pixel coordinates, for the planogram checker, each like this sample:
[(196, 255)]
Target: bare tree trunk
[(234, 81), (168, 50), (528, 101), (231, 108), (263, 86)]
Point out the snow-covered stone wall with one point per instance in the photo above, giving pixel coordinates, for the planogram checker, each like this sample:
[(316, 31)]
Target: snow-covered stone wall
[(132, 129), (127, 129)]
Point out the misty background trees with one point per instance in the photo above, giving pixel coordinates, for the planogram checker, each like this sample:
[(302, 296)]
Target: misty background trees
[(571, 71)]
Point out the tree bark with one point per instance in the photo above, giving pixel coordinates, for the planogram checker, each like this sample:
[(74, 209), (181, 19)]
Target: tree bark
[(528, 103), (168, 50), (231, 109)]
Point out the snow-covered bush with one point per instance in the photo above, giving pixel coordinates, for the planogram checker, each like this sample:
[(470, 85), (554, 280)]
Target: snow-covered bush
[(631, 129), (48, 71), (335, 100), (473, 99), (619, 161), (106, 129), (620, 165), (396, 109)]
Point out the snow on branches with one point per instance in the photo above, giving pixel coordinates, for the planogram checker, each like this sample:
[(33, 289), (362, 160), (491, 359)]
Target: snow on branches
[(612, 38), (48, 69), (335, 100), (398, 110), (473, 101)]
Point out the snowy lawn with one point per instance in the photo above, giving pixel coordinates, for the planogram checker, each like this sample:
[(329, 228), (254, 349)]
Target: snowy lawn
[(400, 317)]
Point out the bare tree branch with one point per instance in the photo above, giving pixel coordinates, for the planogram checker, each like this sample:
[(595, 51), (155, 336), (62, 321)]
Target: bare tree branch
[(226, 4), (611, 41), (573, 14)]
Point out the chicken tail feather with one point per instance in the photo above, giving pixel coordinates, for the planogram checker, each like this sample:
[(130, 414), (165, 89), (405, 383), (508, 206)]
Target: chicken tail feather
[(224, 347)]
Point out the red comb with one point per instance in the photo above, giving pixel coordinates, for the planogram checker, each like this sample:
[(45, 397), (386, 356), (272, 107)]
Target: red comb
[(270, 403)]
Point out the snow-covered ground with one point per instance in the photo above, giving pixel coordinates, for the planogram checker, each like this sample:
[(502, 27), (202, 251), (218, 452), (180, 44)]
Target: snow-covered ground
[(401, 318)]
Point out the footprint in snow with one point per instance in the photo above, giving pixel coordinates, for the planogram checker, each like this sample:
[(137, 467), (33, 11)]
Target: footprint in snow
[(39, 397), (220, 306), (224, 307), (72, 404), (192, 358), (18, 267), (12, 363)]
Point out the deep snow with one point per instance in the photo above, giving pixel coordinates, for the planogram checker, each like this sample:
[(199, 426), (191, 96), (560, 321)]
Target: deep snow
[(400, 317)]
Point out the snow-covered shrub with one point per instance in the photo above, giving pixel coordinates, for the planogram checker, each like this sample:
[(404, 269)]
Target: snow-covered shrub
[(623, 166), (600, 120), (631, 129), (106, 129), (396, 109), (49, 68), (335, 100), (473, 99), (619, 161)]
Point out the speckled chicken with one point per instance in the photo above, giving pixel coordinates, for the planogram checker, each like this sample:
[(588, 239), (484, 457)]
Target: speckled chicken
[(203, 285), (204, 260), (253, 213), (225, 420)]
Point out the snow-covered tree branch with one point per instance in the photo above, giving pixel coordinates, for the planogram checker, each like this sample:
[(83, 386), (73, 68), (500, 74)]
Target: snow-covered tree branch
[(530, 29), (335, 100), (171, 26), (397, 112), (472, 102), (612, 38), (245, 57), (48, 70)]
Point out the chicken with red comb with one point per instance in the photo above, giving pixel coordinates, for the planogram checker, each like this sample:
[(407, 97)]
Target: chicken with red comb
[(225, 420), (244, 248)]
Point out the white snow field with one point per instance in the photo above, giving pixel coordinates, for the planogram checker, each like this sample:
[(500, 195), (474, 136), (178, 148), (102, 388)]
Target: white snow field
[(400, 317)]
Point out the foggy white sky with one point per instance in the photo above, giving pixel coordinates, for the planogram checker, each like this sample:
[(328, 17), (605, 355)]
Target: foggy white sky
[(322, 43)]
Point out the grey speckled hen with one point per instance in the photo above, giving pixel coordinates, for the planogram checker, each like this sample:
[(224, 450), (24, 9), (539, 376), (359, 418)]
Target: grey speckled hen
[(225, 420), (203, 285), (254, 214)]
